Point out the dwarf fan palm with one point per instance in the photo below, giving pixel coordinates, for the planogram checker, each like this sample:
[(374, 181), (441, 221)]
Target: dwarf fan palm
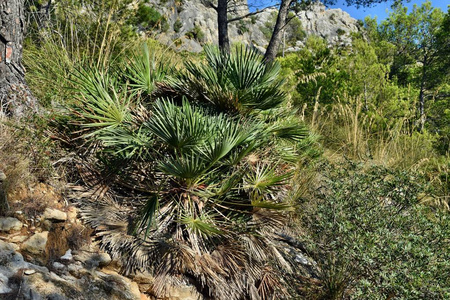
[(211, 186)]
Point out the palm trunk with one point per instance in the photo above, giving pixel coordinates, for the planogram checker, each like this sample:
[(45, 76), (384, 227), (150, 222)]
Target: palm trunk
[(15, 97)]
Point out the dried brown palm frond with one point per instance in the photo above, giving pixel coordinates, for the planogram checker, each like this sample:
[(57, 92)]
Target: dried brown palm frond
[(230, 271)]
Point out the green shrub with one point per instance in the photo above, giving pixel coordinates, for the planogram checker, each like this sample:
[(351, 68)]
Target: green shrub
[(372, 238), (267, 29), (196, 34), (207, 167), (147, 16), (340, 32), (242, 27), (177, 25), (295, 31)]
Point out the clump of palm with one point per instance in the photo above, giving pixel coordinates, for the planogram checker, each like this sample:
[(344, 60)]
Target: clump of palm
[(211, 188), (237, 82)]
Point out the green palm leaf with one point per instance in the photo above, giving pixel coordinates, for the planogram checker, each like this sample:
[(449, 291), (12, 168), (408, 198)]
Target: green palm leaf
[(179, 127), (201, 225), (104, 104), (265, 177), (147, 217), (144, 70), (236, 82), (186, 167)]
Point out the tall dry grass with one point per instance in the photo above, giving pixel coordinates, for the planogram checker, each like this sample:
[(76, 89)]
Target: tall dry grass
[(347, 130)]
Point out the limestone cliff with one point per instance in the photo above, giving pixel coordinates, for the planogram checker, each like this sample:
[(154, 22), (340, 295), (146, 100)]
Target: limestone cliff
[(191, 24)]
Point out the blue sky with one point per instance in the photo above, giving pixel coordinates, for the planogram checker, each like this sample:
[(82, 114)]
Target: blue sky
[(379, 10)]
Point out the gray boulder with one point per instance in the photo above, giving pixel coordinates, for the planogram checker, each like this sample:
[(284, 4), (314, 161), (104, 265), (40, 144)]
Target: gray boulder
[(9, 224), (54, 215), (36, 243)]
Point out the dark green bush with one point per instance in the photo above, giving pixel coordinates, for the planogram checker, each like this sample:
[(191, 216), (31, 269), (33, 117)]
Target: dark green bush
[(196, 33), (177, 25), (242, 27), (147, 16), (373, 240), (340, 31)]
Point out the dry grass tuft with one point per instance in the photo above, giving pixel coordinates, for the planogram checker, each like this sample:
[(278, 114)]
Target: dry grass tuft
[(65, 236), (13, 162)]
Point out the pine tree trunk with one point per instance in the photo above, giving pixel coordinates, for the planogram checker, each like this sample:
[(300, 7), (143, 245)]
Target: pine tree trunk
[(222, 22), (423, 79), (274, 44), (15, 97)]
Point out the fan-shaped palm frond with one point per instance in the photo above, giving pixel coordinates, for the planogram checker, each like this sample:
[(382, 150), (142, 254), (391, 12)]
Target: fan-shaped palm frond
[(104, 105), (179, 127), (236, 82), (264, 177), (144, 70), (128, 143)]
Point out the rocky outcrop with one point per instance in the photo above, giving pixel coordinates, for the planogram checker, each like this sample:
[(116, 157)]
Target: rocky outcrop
[(334, 25), (192, 24)]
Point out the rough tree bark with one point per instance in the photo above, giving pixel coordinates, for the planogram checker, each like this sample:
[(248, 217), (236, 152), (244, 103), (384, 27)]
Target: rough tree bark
[(222, 22), (15, 97), (274, 44)]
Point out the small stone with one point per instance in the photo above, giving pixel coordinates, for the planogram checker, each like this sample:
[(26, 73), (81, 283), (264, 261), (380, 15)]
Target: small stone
[(58, 266), (18, 238), (54, 214), (68, 255), (36, 243), (29, 272), (301, 259), (103, 259), (93, 260), (75, 269), (8, 224)]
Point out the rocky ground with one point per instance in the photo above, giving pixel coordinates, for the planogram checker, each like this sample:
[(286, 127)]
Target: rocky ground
[(46, 253)]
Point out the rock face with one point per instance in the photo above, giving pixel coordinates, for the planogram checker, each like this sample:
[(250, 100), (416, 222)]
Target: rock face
[(192, 24), (334, 25)]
